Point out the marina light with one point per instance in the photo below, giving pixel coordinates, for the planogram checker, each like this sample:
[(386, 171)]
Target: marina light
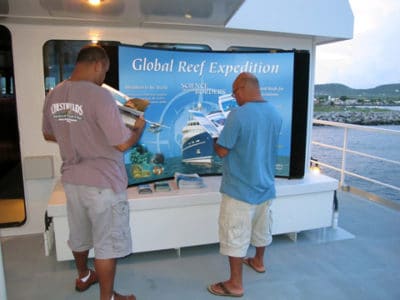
[(314, 166), (315, 169)]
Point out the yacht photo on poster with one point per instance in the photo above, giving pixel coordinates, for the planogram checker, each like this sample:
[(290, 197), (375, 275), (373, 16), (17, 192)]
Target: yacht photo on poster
[(177, 84)]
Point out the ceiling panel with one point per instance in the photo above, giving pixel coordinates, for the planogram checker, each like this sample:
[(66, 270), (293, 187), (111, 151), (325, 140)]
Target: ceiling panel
[(123, 12)]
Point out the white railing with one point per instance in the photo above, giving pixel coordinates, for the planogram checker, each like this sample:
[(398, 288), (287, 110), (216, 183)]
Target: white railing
[(345, 150)]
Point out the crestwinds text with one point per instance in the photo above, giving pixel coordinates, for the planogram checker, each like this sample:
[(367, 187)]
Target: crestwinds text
[(76, 108)]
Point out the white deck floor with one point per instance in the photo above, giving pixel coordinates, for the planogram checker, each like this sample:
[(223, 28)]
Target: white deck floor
[(358, 260)]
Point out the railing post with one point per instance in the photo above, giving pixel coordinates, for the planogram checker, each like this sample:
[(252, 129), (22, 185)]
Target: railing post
[(343, 167)]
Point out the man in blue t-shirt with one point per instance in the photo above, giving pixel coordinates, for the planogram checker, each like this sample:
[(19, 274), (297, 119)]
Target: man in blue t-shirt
[(248, 145)]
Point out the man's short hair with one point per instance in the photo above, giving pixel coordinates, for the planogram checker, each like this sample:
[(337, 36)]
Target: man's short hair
[(92, 53), (246, 77)]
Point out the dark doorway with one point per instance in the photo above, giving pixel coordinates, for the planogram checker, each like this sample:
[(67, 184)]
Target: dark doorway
[(12, 202)]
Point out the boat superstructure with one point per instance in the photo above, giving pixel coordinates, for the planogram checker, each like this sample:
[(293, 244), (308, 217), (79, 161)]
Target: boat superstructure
[(63, 24), (29, 27)]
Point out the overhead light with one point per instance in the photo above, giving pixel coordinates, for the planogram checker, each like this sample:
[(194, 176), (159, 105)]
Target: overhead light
[(95, 2), (94, 36)]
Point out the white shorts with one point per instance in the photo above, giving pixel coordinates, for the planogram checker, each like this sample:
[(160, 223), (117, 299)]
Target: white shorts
[(242, 224), (98, 218)]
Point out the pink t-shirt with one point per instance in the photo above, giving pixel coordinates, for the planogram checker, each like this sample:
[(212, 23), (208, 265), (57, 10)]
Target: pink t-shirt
[(86, 122)]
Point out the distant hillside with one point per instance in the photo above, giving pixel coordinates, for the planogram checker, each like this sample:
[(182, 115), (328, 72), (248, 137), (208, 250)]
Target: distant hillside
[(338, 90)]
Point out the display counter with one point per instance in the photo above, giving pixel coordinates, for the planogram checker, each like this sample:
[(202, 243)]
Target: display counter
[(189, 217)]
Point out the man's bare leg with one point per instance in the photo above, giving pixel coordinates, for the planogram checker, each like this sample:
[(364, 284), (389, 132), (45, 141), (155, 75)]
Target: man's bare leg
[(257, 262), (81, 259), (235, 283), (105, 269), (258, 259)]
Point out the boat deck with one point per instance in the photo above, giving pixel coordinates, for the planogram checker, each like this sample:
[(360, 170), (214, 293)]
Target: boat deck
[(360, 259)]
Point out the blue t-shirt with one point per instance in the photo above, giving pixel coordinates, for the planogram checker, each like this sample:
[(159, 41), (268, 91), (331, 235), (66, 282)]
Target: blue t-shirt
[(251, 134)]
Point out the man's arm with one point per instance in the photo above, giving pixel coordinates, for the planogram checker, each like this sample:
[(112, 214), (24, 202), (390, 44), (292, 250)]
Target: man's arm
[(221, 151), (136, 133), (49, 137)]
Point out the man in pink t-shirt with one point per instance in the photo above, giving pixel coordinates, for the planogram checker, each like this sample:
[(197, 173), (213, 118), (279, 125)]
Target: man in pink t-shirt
[(84, 120)]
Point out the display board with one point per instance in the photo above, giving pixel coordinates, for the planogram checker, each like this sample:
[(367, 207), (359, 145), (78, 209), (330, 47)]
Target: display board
[(176, 83)]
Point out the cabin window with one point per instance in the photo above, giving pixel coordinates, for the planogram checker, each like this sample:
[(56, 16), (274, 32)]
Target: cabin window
[(59, 57), (252, 49), (178, 46)]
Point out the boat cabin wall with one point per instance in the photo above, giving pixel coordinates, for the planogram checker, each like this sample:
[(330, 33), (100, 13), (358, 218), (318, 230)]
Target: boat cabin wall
[(27, 47)]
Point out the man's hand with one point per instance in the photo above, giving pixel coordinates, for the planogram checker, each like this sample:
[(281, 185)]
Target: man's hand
[(221, 151), (140, 122), (49, 137), (137, 130)]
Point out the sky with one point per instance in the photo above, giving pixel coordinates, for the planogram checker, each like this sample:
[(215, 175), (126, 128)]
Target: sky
[(372, 57)]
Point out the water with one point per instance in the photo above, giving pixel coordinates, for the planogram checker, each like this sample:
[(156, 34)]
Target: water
[(396, 108), (383, 145)]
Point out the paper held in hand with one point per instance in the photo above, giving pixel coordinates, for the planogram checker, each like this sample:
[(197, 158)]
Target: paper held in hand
[(212, 123), (129, 114)]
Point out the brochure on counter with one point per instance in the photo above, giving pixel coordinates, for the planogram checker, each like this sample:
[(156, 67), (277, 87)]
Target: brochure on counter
[(144, 189), (162, 186), (189, 181)]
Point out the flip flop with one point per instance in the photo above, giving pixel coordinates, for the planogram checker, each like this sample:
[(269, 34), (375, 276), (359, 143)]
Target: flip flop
[(225, 291), (248, 261)]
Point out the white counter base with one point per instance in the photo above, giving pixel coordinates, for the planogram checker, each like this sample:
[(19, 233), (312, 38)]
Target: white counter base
[(181, 218)]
